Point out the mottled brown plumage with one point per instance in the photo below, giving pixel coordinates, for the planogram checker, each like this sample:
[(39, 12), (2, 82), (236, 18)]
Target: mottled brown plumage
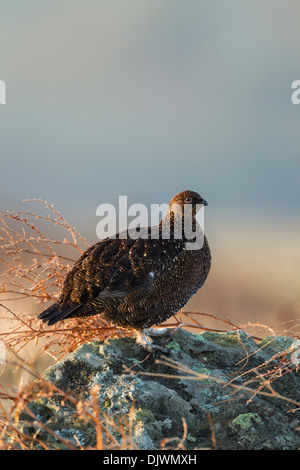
[(136, 283)]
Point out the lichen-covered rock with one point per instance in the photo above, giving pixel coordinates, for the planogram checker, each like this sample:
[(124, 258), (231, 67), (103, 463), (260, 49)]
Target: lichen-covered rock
[(215, 414)]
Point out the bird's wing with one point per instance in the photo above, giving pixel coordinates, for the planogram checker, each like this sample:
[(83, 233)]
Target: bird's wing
[(111, 268)]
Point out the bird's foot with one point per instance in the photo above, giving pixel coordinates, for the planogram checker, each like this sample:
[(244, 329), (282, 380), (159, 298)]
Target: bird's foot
[(157, 332), (144, 339)]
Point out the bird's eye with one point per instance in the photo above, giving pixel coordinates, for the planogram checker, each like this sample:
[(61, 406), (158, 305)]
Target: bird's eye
[(188, 200)]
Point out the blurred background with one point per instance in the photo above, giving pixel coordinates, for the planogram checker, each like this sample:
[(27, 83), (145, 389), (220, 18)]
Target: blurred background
[(148, 98)]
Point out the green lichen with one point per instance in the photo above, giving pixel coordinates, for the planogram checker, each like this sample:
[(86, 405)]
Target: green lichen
[(204, 371), (276, 343), (201, 370), (143, 414), (230, 339), (247, 420), (173, 345)]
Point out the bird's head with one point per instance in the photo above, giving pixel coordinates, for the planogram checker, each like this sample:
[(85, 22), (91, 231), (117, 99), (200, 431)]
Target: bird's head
[(187, 198), (180, 217)]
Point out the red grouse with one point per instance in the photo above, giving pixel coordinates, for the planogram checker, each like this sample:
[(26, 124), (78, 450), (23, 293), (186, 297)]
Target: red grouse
[(136, 283)]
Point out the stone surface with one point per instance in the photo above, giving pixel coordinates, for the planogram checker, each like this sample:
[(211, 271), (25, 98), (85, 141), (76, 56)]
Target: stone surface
[(215, 415)]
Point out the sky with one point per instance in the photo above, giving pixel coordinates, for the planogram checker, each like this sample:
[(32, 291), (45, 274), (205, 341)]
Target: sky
[(148, 98)]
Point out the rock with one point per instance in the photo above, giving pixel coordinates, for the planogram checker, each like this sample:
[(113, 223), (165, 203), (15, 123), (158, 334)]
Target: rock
[(207, 412)]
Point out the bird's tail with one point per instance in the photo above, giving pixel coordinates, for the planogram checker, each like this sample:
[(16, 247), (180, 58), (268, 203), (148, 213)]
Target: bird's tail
[(56, 312)]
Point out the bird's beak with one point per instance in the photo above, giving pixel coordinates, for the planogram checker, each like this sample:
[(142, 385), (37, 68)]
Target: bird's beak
[(204, 202)]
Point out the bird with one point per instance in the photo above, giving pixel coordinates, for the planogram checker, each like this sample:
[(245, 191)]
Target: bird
[(138, 283)]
